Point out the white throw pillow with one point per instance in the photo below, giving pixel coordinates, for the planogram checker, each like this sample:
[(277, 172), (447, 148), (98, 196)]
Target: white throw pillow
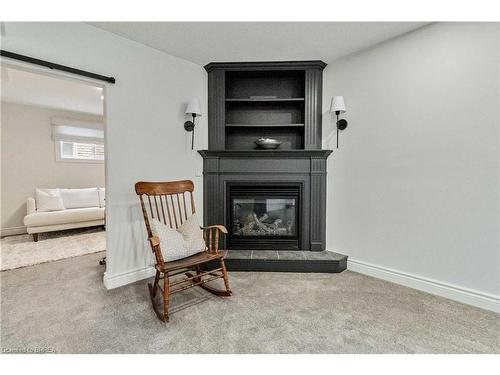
[(79, 198), (102, 197), (192, 233), (48, 200), (179, 243)]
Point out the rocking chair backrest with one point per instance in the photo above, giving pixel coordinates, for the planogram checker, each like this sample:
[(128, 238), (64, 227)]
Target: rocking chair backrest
[(168, 202)]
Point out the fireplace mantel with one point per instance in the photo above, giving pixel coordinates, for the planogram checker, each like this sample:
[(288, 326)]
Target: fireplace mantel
[(265, 153)]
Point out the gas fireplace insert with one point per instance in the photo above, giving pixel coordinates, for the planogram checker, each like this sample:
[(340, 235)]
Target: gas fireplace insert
[(264, 216)]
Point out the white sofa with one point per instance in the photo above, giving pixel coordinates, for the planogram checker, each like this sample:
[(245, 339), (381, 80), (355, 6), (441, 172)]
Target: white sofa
[(59, 209)]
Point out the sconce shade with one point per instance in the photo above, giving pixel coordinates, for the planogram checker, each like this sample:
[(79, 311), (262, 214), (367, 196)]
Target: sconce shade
[(194, 108), (338, 105)]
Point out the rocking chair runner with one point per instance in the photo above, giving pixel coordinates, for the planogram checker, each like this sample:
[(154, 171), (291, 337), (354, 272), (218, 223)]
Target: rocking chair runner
[(167, 202)]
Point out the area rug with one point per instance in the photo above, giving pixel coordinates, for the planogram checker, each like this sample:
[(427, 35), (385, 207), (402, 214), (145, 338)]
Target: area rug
[(21, 251)]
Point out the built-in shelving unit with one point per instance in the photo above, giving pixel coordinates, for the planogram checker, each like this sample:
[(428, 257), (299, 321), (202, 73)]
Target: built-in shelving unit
[(264, 104), (280, 100)]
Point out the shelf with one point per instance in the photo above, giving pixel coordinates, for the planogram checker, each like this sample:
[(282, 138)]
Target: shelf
[(264, 125), (265, 100), (244, 137)]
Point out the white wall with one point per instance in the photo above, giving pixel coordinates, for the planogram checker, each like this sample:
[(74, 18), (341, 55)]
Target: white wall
[(414, 187), (29, 161), (145, 138)]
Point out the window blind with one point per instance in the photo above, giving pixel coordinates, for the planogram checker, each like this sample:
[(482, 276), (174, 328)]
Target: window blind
[(69, 130)]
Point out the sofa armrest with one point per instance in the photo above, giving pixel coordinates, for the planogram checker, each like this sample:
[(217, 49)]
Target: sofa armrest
[(30, 206)]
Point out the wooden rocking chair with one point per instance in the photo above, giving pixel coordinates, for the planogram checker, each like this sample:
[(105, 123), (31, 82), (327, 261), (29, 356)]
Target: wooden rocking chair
[(167, 202)]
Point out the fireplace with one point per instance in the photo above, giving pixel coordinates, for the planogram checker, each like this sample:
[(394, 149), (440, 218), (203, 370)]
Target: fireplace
[(267, 199), (264, 216), (286, 185)]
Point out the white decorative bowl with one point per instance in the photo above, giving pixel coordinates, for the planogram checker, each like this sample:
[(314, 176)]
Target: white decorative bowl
[(268, 143)]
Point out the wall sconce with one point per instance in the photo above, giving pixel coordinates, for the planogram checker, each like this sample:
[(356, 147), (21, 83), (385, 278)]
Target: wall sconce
[(193, 109), (338, 107)]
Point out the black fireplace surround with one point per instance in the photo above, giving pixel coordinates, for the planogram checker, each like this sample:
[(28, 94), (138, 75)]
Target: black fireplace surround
[(293, 174)]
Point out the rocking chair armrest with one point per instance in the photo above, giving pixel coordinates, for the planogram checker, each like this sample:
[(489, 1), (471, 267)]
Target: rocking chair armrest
[(154, 241), (222, 228), (211, 237)]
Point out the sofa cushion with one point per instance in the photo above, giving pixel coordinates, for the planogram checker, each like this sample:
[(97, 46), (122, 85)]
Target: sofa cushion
[(48, 200), (79, 198), (64, 217), (102, 197)]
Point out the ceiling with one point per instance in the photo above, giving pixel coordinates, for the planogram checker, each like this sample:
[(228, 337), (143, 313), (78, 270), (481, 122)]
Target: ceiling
[(204, 42), (24, 87)]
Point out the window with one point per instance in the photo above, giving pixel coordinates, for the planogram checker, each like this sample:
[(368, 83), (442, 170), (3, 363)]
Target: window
[(78, 141), (79, 151)]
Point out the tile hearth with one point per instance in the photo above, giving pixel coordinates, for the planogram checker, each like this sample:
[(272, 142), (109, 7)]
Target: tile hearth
[(285, 261)]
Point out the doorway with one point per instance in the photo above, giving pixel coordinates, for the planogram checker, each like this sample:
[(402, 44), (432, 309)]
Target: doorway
[(53, 167)]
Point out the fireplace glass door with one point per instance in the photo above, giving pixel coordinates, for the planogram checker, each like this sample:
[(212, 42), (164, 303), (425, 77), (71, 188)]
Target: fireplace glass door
[(264, 217)]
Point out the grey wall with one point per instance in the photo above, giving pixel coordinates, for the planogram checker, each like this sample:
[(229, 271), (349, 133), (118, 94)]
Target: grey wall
[(28, 160), (414, 185)]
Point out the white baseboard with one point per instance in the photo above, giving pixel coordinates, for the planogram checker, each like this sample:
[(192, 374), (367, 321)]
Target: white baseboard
[(115, 281), (450, 291), (12, 231)]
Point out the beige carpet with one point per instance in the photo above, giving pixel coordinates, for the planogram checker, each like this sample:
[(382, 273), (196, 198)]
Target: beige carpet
[(21, 251), (63, 306)]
